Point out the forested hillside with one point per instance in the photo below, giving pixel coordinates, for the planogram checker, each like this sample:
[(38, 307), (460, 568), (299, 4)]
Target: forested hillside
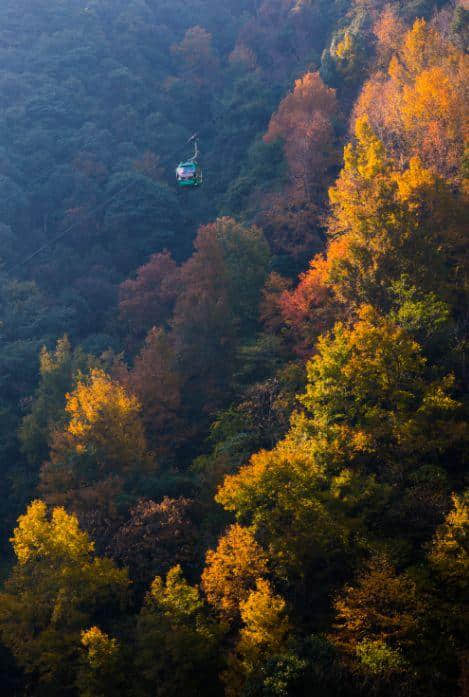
[(233, 418)]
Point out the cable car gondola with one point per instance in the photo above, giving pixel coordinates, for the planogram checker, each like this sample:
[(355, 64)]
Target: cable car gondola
[(189, 173)]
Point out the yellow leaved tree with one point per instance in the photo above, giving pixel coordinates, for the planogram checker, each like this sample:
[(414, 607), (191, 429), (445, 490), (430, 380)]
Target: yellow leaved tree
[(371, 417), (102, 442), (103, 670), (450, 547), (55, 590), (232, 570), (420, 106), (263, 634), (177, 640), (388, 222)]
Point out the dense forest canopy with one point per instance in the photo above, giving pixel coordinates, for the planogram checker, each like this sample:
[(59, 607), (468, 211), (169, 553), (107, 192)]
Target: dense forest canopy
[(233, 418)]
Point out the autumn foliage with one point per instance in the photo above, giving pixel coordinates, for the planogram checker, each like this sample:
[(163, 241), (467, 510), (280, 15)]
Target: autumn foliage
[(148, 300), (232, 570), (418, 107), (56, 563), (235, 447), (102, 442), (305, 122)]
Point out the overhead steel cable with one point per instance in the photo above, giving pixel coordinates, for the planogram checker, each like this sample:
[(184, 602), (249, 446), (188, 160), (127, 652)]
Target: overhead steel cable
[(71, 227), (90, 213)]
